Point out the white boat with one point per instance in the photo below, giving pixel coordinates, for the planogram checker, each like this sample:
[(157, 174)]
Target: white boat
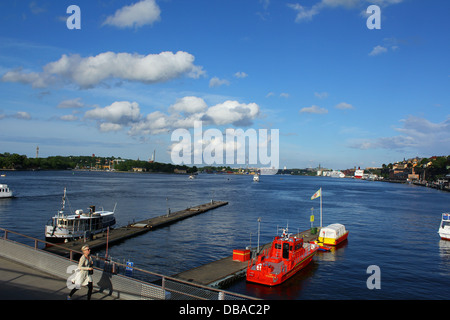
[(359, 173), (444, 228), (64, 228), (5, 191), (256, 178)]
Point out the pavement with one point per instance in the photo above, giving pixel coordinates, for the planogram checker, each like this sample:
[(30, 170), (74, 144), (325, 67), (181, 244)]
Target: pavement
[(19, 282)]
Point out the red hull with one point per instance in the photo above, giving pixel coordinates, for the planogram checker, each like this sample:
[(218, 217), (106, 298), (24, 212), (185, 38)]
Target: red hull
[(285, 258)]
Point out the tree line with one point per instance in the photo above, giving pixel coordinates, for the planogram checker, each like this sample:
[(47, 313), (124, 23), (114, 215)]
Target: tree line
[(15, 161)]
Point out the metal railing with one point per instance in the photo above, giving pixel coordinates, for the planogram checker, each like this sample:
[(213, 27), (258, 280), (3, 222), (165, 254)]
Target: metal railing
[(178, 289)]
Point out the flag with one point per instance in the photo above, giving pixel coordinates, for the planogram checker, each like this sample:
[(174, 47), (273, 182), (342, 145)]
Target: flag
[(317, 194)]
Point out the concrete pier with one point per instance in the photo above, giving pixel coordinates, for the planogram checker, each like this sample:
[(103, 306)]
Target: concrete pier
[(222, 272), (122, 233)]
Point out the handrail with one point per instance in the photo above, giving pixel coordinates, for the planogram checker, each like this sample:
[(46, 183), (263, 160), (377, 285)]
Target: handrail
[(164, 278)]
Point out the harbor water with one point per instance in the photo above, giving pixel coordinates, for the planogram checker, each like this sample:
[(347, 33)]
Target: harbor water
[(392, 226)]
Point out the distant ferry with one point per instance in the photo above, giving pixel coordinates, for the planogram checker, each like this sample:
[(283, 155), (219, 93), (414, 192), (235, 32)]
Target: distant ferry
[(63, 228), (5, 191), (359, 174)]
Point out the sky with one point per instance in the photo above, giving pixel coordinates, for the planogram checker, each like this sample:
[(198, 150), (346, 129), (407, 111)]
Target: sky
[(118, 77)]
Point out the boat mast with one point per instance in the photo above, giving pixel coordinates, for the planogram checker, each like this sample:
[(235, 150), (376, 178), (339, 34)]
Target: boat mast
[(63, 204)]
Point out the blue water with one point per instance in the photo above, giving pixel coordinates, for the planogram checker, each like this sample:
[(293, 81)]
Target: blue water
[(392, 226)]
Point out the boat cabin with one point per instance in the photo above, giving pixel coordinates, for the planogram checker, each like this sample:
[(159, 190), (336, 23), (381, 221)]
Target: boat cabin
[(284, 247)]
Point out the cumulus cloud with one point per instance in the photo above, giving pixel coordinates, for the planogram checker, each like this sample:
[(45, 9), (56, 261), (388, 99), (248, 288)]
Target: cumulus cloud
[(189, 104), (118, 112), (418, 134), (306, 14), (22, 115), (182, 114), (377, 50), (144, 12), (71, 104), (321, 95), (240, 75), (91, 71), (314, 109), (216, 82), (232, 112), (344, 106)]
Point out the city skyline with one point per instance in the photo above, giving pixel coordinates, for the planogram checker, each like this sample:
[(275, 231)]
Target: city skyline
[(340, 94)]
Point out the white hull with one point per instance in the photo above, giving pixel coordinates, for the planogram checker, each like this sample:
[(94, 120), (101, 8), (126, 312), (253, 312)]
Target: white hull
[(5, 192), (444, 228), (64, 227)]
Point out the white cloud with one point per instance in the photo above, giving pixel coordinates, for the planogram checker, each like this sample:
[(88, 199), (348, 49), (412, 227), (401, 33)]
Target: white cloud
[(377, 50), (321, 95), (137, 15), (303, 13), (417, 134), (91, 71), (69, 117), (182, 114), (216, 82), (284, 95), (120, 112), (240, 75), (232, 112), (108, 127), (344, 106), (306, 14), (22, 115), (189, 105), (71, 104), (314, 109)]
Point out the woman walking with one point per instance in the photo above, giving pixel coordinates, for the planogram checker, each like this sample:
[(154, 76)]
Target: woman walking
[(85, 269)]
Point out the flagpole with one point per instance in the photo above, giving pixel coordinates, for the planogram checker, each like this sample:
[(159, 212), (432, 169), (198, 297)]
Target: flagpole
[(321, 207)]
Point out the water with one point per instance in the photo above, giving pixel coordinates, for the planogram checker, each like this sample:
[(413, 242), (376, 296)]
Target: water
[(392, 226)]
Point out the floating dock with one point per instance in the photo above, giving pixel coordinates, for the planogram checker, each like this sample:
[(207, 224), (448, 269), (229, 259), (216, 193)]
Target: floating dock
[(223, 272), (115, 235)]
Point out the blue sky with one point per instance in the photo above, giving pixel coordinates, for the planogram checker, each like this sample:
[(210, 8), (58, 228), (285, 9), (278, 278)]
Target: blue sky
[(341, 94)]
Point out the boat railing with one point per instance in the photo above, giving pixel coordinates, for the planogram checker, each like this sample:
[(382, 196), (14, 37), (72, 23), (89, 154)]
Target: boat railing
[(179, 289)]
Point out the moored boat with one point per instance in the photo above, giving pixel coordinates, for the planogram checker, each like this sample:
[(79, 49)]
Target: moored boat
[(444, 228), (333, 234), (5, 191), (286, 256), (63, 227)]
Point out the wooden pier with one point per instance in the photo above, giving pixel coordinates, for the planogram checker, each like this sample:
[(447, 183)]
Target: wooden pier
[(223, 272), (116, 235)]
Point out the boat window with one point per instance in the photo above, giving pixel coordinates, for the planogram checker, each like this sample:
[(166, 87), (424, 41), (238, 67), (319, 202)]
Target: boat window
[(285, 250), (277, 245)]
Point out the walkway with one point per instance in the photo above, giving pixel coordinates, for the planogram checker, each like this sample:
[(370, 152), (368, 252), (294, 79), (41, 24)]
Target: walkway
[(19, 282)]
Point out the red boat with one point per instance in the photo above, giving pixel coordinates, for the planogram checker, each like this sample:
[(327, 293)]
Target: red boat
[(286, 257)]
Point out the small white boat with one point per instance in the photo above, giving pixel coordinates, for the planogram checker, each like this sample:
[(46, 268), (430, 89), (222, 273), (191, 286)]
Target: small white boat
[(256, 178), (63, 227), (5, 191), (333, 234), (444, 228)]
